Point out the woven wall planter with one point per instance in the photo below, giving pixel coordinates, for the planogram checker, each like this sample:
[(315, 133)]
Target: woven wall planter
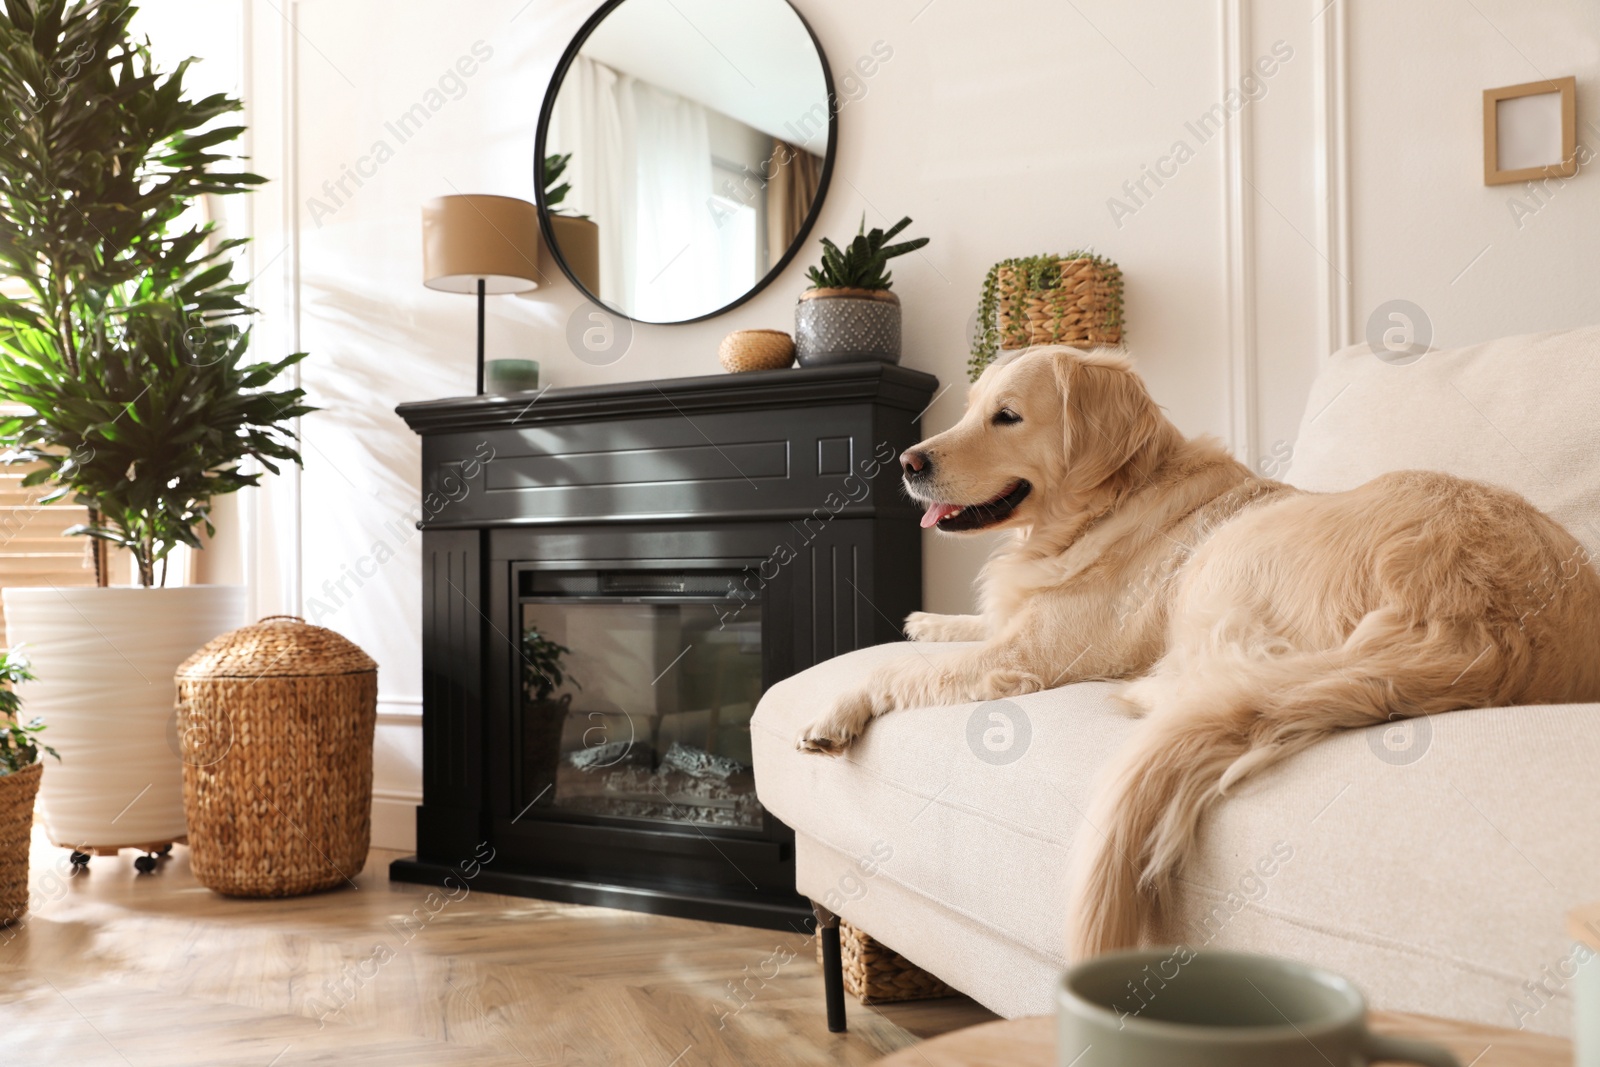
[(874, 973), (17, 791), (1051, 300), (275, 728), (847, 326)]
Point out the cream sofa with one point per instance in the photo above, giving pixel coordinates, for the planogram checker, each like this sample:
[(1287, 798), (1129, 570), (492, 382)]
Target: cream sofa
[(1432, 862)]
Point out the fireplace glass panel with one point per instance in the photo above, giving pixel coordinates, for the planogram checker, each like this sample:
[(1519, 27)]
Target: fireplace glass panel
[(637, 692)]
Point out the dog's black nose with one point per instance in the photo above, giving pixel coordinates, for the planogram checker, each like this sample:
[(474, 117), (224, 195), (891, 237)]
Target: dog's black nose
[(916, 464)]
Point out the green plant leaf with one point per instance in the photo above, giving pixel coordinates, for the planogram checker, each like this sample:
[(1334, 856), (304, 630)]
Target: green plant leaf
[(861, 263)]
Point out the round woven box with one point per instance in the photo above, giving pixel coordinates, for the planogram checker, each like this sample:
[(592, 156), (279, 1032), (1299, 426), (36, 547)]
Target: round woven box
[(744, 350), (274, 726), (16, 832)]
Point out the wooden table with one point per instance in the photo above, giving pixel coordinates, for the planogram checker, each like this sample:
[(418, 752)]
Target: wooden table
[(1031, 1042)]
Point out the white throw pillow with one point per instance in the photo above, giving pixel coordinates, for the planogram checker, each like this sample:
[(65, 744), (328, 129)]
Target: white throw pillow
[(1521, 412)]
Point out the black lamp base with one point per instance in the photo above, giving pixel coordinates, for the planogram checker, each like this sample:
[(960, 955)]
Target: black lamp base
[(480, 336)]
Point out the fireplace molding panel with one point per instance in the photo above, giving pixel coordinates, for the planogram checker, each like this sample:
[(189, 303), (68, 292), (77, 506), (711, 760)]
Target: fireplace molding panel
[(769, 502)]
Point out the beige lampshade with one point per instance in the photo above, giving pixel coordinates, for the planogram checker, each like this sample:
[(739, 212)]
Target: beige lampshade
[(473, 236), (579, 242)]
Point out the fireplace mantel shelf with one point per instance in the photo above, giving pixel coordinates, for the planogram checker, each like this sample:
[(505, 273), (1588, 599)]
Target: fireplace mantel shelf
[(884, 384)]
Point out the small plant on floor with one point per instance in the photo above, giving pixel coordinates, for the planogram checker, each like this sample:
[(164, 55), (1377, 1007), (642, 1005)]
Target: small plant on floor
[(19, 741), (542, 673), (863, 263)]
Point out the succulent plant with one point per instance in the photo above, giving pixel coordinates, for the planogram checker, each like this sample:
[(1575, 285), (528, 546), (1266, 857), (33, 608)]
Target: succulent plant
[(862, 263)]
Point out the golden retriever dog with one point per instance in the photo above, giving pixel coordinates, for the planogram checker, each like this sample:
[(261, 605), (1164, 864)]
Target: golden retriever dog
[(1255, 618)]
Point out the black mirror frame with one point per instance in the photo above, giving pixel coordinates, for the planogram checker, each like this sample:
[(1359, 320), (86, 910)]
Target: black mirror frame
[(547, 233)]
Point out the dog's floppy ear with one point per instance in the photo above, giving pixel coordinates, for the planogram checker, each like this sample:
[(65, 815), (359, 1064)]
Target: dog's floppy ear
[(1107, 416)]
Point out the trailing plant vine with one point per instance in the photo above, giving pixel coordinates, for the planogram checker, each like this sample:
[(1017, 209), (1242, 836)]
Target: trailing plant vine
[(1031, 273)]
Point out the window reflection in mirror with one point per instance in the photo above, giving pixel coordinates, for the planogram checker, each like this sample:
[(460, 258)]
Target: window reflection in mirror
[(698, 133)]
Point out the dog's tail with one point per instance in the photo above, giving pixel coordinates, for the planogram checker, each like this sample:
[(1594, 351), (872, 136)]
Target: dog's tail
[(1232, 712)]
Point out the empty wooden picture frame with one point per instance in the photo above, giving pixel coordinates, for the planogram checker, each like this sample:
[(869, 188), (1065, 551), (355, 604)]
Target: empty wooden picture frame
[(1565, 166)]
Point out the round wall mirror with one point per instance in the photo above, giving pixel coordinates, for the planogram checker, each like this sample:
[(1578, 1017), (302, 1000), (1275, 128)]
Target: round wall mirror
[(683, 152)]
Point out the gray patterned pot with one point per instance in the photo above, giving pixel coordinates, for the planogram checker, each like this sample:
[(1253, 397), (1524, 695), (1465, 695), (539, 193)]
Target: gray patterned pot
[(846, 326)]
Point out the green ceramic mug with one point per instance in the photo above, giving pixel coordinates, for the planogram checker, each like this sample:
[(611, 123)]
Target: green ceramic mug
[(1180, 1008)]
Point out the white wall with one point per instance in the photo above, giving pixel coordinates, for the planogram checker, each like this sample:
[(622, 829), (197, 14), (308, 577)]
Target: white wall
[(1424, 226), (1002, 130)]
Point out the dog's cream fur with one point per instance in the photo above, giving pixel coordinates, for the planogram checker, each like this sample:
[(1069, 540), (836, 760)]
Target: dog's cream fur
[(1256, 618)]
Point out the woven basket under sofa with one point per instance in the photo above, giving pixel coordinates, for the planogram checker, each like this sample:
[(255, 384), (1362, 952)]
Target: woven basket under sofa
[(276, 723), (874, 973)]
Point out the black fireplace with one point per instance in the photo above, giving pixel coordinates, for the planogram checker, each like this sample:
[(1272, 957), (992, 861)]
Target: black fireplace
[(612, 576)]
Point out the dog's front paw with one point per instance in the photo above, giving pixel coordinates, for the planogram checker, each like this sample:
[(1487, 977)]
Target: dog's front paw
[(1008, 682), (1141, 696), (923, 626), (833, 733)]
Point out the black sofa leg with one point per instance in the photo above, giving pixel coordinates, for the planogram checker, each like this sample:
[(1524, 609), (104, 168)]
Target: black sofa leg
[(832, 967)]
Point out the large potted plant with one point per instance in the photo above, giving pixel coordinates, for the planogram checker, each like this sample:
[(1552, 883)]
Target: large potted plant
[(21, 766), (125, 365), (850, 313)]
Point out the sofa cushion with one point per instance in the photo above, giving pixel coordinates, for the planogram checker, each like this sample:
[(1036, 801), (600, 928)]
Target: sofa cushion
[(1432, 862), (1518, 412), (981, 837)]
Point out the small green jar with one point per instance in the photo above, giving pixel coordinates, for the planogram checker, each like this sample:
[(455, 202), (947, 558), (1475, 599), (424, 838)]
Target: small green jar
[(510, 376)]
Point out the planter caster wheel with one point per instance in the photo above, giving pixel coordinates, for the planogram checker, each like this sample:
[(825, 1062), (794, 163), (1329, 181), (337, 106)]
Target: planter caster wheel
[(80, 860), (144, 864), (165, 850)]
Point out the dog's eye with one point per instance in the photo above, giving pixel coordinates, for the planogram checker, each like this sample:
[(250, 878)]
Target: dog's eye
[(1006, 417)]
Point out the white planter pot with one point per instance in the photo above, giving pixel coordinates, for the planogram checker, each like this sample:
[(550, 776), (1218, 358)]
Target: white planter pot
[(105, 660)]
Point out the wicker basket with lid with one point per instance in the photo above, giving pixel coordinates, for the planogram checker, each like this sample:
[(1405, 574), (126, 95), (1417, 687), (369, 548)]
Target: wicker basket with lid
[(275, 723)]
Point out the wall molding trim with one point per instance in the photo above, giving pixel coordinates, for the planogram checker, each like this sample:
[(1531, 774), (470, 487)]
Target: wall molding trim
[(1239, 228), (394, 821), (403, 711), (1331, 142)]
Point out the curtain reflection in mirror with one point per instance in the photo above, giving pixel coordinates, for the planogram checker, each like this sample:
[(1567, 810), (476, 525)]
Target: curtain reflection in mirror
[(793, 177), (693, 207)]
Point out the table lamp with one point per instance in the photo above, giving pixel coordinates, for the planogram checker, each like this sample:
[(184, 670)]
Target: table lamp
[(477, 243)]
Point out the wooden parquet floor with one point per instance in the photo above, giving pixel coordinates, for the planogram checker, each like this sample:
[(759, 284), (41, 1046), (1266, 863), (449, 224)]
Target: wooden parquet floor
[(116, 968)]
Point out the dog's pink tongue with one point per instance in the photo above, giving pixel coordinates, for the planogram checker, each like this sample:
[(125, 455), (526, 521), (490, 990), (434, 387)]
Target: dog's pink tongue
[(936, 512)]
